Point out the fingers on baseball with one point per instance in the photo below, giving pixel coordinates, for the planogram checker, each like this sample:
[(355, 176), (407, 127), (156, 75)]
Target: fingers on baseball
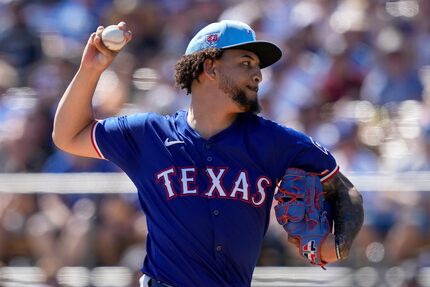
[(91, 39), (99, 31), (128, 34), (122, 25), (98, 43)]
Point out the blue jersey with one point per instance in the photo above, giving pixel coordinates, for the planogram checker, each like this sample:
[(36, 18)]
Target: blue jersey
[(207, 201)]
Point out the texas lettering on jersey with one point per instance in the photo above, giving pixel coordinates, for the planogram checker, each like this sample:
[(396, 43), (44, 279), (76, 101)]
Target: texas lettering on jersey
[(240, 189)]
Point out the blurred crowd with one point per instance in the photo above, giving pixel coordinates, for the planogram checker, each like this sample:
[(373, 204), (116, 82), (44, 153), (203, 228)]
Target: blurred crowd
[(355, 75)]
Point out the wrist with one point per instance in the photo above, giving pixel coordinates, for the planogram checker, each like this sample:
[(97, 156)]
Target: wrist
[(90, 75), (90, 71), (328, 253)]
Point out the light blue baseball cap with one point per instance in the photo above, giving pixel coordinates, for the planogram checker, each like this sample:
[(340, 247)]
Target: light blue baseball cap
[(229, 34)]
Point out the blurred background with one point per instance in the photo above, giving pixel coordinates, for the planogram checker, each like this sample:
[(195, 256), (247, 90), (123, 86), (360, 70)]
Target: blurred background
[(355, 75)]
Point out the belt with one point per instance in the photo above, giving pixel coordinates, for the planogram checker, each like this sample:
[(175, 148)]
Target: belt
[(157, 283)]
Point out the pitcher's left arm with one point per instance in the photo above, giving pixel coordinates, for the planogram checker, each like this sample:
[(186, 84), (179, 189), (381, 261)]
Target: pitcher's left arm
[(347, 211)]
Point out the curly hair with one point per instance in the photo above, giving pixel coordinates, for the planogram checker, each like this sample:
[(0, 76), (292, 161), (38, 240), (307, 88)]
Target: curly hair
[(189, 67)]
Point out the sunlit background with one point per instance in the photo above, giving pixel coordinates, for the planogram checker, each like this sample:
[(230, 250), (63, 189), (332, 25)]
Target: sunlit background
[(355, 75)]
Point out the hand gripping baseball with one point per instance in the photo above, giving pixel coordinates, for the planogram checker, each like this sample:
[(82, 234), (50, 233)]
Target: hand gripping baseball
[(97, 56), (300, 210)]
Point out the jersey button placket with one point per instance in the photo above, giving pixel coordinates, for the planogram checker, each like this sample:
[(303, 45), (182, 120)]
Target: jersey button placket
[(215, 212), (207, 147), (218, 247)]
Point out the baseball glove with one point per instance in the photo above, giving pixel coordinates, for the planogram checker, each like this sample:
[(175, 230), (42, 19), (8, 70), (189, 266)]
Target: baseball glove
[(300, 210)]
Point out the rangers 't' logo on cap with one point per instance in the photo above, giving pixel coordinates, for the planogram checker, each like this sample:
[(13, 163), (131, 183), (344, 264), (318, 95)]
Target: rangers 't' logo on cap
[(212, 39)]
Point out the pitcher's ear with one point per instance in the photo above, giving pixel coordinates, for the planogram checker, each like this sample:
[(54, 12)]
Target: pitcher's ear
[(209, 68)]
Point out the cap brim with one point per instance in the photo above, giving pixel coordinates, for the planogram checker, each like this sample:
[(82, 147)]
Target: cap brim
[(267, 52)]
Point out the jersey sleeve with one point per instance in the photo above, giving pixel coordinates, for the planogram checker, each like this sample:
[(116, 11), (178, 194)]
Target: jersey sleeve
[(310, 155), (116, 139)]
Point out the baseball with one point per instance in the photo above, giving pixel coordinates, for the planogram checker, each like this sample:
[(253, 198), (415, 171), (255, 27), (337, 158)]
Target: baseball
[(113, 38)]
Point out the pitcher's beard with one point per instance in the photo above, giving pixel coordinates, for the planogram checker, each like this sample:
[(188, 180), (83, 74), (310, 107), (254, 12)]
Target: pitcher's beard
[(238, 95), (249, 105)]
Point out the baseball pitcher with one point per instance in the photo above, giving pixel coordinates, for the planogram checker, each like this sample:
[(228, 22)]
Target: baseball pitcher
[(206, 176)]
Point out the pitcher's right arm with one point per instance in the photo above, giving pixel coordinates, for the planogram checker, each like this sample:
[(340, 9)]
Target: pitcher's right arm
[(74, 117)]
